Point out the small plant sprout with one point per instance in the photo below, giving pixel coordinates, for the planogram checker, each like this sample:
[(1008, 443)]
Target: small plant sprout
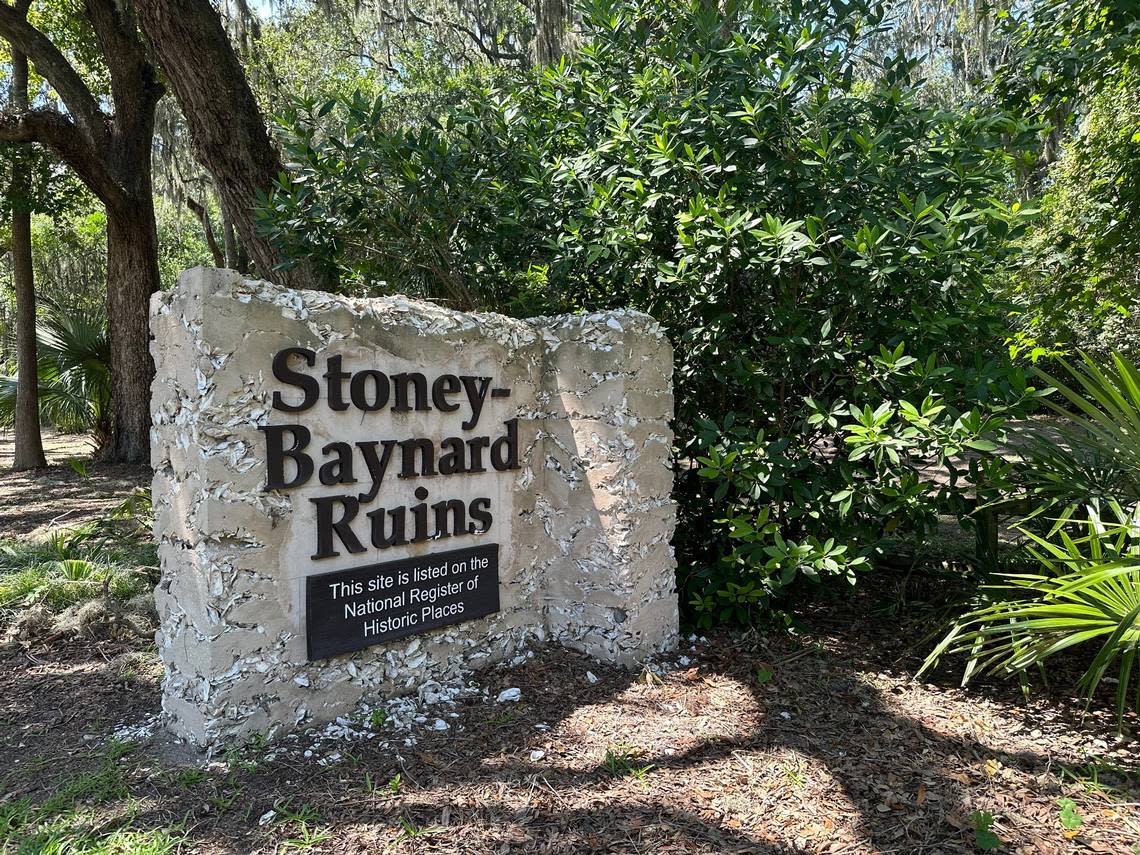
[(304, 814), (223, 800), (409, 829), (189, 778), (794, 776), (1071, 818), (377, 717), (621, 760), (237, 760), (307, 837), (1097, 776), (394, 784), (984, 837)]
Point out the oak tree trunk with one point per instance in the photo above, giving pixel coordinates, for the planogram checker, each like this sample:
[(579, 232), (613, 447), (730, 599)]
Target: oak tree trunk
[(29, 452), (110, 150), (236, 256), (550, 23), (132, 274), (229, 239), (225, 121), (200, 211)]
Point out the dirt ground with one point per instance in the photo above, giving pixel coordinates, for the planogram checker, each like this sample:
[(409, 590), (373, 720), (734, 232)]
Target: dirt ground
[(817, 742), (813, 742), (61, 495)]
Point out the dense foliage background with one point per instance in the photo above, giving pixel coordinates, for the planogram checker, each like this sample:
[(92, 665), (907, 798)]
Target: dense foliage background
[(815, 237)]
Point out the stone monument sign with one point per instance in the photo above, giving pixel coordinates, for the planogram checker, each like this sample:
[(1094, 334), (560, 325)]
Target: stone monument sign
[(353, 497)]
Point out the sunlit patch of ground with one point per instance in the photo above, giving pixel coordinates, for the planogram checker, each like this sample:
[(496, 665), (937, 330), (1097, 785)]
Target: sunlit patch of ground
[(758, 743), (58, 447), (64, 494)]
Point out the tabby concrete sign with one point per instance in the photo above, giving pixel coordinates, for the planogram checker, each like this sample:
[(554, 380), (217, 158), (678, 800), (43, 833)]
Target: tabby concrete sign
[(354, 497)]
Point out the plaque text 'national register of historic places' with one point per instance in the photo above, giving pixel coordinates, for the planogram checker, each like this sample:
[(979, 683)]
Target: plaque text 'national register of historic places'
[(352, 609)]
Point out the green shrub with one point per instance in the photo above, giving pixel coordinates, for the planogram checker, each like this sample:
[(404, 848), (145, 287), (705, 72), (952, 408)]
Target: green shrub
[(1074, 65), (1076, 282), (816, 245)]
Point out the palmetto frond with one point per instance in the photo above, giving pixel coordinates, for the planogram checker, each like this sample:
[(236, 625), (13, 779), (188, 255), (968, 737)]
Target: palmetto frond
[(74, 371), (1089, 593), (1088, 590), (1101, 410)]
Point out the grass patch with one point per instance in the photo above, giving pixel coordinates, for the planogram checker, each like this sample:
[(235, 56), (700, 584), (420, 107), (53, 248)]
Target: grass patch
[(67, 820), (624, 760), (78, 835), (1099, 775), (75, 565), (307, 837), (105, 784)]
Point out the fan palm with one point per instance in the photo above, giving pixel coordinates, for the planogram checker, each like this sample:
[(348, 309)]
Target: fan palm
[(1105, 404), (1088, 593), (74, 373), (1088, 590), (1098, 454)]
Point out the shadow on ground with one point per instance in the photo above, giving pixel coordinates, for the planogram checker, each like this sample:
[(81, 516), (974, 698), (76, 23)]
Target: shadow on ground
[(831, 749), (31, 502)]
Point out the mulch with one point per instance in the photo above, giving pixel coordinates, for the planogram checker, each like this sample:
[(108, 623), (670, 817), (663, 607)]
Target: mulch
[(838, 752)]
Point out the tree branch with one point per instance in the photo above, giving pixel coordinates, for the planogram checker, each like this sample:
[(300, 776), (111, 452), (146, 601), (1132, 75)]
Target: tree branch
[(199, 211), (53, 65), (224, 118), (134, 85), (491, 53), (59, 133)]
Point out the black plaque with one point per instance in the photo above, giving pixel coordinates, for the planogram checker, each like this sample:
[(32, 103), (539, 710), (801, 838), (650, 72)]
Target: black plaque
[(351, 609)]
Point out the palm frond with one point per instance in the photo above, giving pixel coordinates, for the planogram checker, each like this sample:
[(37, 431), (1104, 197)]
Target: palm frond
[(1085, 472), (1101, 410), (73, 367), (1089, 593)]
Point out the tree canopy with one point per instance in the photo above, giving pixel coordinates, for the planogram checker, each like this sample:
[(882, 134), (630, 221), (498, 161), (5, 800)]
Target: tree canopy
[(855, 218)]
